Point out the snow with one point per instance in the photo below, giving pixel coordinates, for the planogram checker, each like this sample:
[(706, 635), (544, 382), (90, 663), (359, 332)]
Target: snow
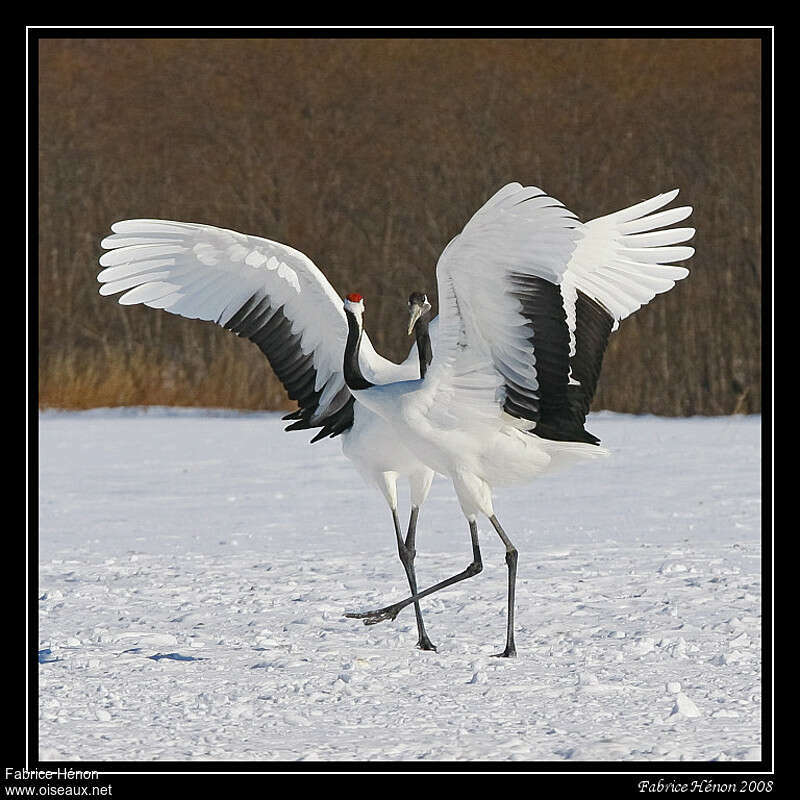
[(195, 568)]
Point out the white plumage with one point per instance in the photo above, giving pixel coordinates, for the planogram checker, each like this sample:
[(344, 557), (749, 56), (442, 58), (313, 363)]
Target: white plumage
[(277, 297), (621, 260), (202, 272), (527, 297)]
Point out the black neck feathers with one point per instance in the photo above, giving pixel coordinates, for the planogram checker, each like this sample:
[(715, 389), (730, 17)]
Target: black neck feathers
[(424, 348), (353, 376)]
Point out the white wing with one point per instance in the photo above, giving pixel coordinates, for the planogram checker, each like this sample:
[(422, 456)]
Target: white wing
[(620, 264), (508, 259), (620, 260), (264, 290), (508, 286)]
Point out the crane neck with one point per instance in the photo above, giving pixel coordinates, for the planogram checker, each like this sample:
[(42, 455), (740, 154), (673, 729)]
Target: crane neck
[(424, 348), (353, 376)]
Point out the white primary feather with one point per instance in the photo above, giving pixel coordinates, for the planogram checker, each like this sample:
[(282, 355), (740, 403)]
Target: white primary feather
[(621, 260), (204, 272)]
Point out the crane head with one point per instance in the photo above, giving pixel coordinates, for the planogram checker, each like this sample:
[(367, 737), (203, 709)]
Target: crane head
[(417, 306), (354, 303)]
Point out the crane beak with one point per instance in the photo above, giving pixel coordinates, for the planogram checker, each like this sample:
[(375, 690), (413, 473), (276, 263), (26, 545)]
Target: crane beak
[(415, 310)]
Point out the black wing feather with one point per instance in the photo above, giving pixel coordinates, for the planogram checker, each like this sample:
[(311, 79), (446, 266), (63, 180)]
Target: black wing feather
[(552, 406), (593, 324), (270, 329)]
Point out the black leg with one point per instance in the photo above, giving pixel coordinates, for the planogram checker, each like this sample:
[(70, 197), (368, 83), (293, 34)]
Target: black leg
[(390, 612), (407, 555), (411, 535), (511, 562)]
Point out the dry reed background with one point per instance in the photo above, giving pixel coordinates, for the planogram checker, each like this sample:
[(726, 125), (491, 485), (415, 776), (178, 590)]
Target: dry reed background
[(369, 155)]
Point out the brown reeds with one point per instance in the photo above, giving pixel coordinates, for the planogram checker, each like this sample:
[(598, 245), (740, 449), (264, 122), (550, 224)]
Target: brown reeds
[(369, 155)]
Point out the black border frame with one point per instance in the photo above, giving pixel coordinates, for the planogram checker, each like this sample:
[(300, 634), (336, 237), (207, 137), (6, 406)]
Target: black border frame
[(135, 777)]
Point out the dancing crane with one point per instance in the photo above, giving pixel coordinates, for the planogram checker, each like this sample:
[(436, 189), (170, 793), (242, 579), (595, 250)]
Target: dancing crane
[(276, 297), (528, 296)]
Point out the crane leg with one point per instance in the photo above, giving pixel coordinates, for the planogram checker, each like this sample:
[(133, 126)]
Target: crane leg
[(511, 562), (390, 612), (407, 555)]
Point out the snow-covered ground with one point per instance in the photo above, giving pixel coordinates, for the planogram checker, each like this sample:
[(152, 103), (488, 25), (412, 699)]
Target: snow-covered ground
[(195, 568)]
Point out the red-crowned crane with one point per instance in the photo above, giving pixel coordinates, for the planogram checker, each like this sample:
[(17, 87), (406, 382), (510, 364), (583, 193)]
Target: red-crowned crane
[(276, 296), (528, 296)]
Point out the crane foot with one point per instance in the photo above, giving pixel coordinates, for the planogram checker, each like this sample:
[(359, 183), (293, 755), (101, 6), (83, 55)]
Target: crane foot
[(373, 617)]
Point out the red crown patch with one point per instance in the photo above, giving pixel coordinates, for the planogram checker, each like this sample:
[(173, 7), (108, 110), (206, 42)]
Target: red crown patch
[(354, 297)]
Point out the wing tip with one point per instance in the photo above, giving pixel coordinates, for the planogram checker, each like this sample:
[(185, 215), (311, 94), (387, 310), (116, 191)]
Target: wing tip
[(684, 273)]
